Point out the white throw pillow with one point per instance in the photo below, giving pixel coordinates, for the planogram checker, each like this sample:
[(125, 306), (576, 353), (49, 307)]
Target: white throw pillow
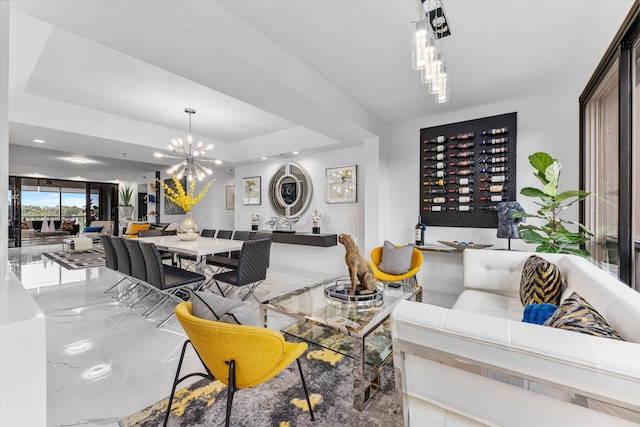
[(172, 227), (395, 260)]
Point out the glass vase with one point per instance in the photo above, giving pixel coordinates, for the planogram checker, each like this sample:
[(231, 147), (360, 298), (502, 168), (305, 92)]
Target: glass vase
[(188, 229)]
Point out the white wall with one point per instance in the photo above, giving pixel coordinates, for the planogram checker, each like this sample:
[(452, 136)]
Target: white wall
[(336, 217), (545, 123)]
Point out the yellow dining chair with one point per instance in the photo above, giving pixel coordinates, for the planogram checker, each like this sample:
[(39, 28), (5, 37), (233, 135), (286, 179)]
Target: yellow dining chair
[(416, 264), (237, 355)]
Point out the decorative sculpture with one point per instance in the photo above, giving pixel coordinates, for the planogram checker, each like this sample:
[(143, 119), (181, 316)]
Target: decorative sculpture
[(278, 221), (255, 220), (315, 218), (359, 268)]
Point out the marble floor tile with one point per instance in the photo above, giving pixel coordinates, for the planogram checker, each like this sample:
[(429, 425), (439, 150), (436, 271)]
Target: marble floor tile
[(105, 361)]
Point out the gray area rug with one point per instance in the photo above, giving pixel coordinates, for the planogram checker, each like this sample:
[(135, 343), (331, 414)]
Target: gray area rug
[(280, 401), (78, 260)]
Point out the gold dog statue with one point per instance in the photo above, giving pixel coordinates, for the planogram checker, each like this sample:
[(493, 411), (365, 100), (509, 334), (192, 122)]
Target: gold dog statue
[(358, 268)]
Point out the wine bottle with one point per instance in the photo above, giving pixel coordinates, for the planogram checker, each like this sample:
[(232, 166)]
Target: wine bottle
[(420, 227), (494, 169), (461, 172), (463, 145), (462, 208), (436, 148), (463, 136), (462, 199), (435, 191), (462, 163), (435, 208), (494, 188), (439, 183), (463, 154), (439, 165), (437, 140), (494, 141), (490, 208), (497, 198), (435, 200), (439, 156), (462, 190), (494, 178), (436, 174), (497, 131), (462, 181), (494, 150), (494, 160)]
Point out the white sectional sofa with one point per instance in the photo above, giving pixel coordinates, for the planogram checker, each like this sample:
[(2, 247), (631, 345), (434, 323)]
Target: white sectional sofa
[(479, 364)]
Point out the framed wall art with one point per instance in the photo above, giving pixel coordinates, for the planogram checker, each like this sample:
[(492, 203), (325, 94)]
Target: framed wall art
[(342, 184), (251, 190), (230, 197), (171, 208)]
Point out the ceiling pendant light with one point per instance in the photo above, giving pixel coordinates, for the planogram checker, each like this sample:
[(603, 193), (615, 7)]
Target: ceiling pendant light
[(427, 57), (191, 165)]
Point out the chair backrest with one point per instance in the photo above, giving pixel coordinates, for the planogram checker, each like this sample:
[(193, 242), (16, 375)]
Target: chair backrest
[(138, 265), (224, 234), (154, 265), (110, 257), (151, 232), (253, 261), (416, 256), (208, 232), (256, 351), (260, 235), (124, 261), (241, 235)]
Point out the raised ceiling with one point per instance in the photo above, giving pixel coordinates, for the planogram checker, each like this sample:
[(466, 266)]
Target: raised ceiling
[(103, 78)]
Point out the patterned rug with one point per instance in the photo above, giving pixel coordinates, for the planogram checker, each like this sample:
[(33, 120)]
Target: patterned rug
[(78, 260), (280, 402)]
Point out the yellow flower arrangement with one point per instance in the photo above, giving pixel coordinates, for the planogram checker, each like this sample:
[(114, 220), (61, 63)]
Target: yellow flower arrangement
[(180, 197)]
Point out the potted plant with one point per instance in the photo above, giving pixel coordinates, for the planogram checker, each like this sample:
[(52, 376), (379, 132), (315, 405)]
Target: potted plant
[(125, 207), (552, 236)]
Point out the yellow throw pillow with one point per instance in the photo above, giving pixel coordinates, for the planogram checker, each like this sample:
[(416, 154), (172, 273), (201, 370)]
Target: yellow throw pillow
[(137, 227), (541, 282)]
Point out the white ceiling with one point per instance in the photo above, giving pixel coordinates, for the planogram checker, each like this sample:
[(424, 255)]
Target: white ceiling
[(104, 78)]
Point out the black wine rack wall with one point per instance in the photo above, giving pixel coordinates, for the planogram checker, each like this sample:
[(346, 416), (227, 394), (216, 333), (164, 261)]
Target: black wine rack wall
[(466, 169)]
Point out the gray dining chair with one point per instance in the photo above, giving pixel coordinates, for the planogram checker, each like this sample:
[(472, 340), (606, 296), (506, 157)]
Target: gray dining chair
[(124, 266), (138, 268), (167, 279), (252, 268), (208, 232), (110, 259)]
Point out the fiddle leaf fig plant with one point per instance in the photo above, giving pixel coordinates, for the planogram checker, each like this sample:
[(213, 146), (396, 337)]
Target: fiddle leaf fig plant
[(553, 236)]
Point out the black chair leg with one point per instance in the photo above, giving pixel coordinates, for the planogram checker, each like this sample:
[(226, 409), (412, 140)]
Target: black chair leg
[(175, 383), (306, 393), (231, 389)]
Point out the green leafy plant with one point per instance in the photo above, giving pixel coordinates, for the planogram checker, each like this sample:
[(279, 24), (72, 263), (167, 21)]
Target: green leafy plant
[(125, 196), (553, 236)]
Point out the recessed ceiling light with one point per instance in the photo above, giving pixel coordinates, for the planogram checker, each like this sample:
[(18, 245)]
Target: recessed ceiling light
[(79, 160), (39, 141), (217, 162), (264, 158), (294, 152)]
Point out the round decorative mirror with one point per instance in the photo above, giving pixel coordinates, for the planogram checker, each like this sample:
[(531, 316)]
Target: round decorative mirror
[(290, 190)]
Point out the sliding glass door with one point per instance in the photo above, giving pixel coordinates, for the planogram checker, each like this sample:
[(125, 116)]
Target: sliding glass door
[(610, 155)]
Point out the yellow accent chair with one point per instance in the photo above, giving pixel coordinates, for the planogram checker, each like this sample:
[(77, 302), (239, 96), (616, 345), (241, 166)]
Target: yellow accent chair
[(416, 264), (239, 356)]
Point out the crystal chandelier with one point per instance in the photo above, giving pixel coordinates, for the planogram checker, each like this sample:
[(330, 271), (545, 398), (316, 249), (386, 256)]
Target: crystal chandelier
[(191, 164), (428, 49)]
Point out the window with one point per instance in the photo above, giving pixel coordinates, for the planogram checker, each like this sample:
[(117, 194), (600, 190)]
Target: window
[(610, 155)]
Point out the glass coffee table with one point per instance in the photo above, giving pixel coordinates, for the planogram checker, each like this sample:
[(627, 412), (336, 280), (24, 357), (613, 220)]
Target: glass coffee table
[(353, 327)]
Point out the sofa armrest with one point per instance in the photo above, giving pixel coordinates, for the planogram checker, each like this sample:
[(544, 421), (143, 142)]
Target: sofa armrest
[(603, 369)]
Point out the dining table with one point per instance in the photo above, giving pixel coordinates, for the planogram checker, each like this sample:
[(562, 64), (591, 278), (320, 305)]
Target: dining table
[(200, 247)]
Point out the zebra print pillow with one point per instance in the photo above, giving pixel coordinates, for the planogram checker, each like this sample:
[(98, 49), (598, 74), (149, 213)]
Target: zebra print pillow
[(578, 315), (541, 282)]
